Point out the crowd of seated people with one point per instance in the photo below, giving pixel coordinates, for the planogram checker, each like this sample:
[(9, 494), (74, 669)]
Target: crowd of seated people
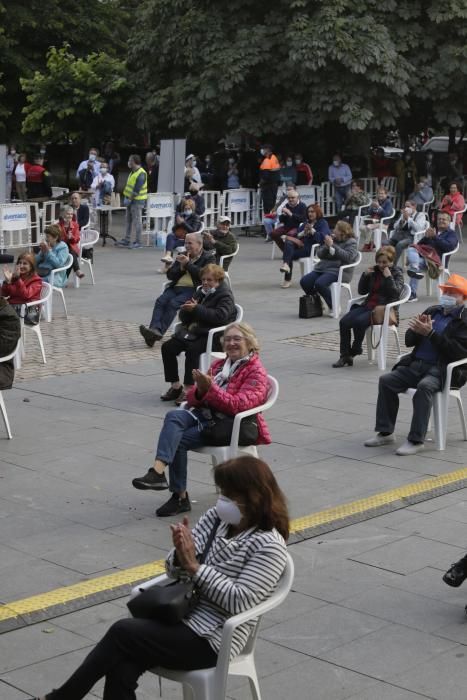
[(298, 244)]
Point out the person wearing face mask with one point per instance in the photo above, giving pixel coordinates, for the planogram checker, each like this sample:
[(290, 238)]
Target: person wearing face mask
[(288, 172), (407, 225), (231, 385), (438, 336), (340, 175), (134, 199), (11, 161), (191, 169), (382, 283), (405, 170), (269, 180), (247, 530), (453, 203), (304, 174), (187, 214), (86, 177), (429, 251), (211, 305), (379, 208), (422, 193), (103, 185), (92, 158), (233, 180)]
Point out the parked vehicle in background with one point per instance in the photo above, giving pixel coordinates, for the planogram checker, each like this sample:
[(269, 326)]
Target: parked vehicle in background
[(440, 144)]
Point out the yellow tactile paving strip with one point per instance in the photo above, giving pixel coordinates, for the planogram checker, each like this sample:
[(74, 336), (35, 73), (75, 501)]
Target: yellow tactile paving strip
[(80, 591)]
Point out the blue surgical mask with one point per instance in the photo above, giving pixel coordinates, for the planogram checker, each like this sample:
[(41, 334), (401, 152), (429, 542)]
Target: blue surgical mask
[(447, 301), (228, 511), (92, 156)]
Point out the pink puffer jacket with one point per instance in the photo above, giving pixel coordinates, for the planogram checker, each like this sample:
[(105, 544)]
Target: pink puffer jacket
[(247, 388)]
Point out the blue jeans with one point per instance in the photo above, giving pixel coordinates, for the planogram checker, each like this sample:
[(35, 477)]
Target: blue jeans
[(167, 305), (415, 262), (181, 432), (318, 281), (134, 216), (172, 242), (340, 195), (106, 189), (292, 252), (269, 224)]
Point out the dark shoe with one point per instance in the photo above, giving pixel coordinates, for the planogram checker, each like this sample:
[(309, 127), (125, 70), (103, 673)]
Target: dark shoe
[(172, 394), (174, 506), (415, 273), (181, 399), (149, 335), (343, 361), (151, 480), (413, 297), (356, 350), (457, 573)]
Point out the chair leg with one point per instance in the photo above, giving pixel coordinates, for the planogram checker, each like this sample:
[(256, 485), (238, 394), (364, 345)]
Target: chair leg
[(336, 299), (5, 417), (461, 413), (439, 418), (254, 685), (92, 272), (37, 331), (63, 300)]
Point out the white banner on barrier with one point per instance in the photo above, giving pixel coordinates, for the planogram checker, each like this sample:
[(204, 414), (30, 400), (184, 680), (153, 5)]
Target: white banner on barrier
[(308, 194), (160, 204), (14, 218), (239, 200)]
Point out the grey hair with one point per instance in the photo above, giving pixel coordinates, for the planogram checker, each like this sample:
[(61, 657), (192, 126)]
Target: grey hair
[(196, 236), (66, 210)]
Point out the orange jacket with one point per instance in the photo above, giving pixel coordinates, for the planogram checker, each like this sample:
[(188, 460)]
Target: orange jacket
[(270, 163)]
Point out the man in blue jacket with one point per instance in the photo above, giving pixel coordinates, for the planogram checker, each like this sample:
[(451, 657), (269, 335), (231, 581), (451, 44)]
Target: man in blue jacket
[(443, 239)]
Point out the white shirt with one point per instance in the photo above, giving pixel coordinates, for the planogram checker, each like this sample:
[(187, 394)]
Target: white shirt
[(20, 172), (99, 179)]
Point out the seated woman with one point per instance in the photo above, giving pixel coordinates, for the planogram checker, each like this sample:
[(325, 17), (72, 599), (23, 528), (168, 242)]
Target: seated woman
[(235, 384), (23, 285), (247, 558), (174, 240), (70, 235), (383, 283), (357, 198), (212, 305), (338, 249), (379, 208), (453, 203), (295, 247), (53, 254), (188, 215)]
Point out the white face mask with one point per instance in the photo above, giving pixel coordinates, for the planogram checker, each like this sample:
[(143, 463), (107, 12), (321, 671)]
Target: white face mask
[(187, 212), (447, 301), (130, 164), (103, 171), (289, 163), (408, 210), (298, 161), (336, 163), (193, 163), (228, 511), (92, 156), (42, 151), (262, 151), (12, 152)]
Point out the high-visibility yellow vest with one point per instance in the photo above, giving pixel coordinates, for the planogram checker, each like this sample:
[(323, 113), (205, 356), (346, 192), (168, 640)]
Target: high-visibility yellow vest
[(130, 186)]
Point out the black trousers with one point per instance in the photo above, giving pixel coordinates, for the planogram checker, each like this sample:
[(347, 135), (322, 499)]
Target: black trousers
[(192, 349), (130, 647), (75, 265), (357, 319), (269, 195)]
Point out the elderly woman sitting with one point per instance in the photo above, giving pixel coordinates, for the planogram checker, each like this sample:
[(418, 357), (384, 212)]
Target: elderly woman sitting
[(231, 386), (383, 283), (299, 246), (212, 305), (338, 249), (53, 254), (69, 228), (23, 286)]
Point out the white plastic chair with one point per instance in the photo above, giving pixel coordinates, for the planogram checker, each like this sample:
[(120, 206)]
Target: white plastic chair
[(88, 239), (441, 406), (307, 264), (59, 290), (46, 293), (211, 683), (223, 258), (207, 357), (221, 454), (378, 232), (383, 330), (5, 358), (445, 260), (458, 226), (358, 220), (336, 287), (426, 205)]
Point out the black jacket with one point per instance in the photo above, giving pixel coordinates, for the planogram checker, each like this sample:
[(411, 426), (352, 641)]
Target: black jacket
[(10, 332), (194, 268), (451, 345), (213, 310), (390, 288)]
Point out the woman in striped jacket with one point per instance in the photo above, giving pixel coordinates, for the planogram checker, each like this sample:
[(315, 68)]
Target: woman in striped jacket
[(242, 568)]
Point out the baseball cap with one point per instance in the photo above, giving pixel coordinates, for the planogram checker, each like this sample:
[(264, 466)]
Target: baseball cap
[(224, 219)]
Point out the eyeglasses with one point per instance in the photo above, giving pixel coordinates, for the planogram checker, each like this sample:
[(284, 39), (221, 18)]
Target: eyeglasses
[(233, 338)]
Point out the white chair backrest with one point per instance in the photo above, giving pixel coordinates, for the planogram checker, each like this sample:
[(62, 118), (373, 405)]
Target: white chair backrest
[(88, 237)]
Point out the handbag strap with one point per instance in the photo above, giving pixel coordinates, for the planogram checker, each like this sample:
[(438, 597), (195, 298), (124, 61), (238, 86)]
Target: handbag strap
[(209, 541)]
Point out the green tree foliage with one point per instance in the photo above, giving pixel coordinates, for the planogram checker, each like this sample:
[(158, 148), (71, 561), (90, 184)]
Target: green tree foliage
[(209, 68), (70, 98)]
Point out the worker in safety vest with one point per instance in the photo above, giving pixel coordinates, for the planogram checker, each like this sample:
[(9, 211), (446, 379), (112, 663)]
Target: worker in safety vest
[(38, 180), (134, 198), (269, 178)]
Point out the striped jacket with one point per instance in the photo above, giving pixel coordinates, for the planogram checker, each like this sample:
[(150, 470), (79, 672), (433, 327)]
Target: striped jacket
[(239, 572)]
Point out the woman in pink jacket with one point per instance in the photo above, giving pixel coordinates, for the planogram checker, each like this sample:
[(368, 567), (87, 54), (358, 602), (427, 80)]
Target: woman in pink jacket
[(231, 386), (453, 203)]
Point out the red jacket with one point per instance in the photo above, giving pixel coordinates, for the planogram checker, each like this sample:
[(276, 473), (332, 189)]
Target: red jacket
[(453, 204), (21, 291), (71, 236), (247, 389)]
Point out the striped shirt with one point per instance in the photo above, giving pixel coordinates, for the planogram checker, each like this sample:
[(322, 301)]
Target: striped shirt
[(239, 572)]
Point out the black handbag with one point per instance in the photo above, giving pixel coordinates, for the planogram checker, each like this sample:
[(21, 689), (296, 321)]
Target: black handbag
[(310, 306), (169, 601), (219, 433)]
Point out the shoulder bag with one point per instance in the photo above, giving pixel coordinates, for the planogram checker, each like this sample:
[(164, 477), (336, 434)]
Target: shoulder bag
[(310, 306), (169, 601)]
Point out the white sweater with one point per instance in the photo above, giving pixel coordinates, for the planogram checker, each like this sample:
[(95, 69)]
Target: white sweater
[(239, 572)]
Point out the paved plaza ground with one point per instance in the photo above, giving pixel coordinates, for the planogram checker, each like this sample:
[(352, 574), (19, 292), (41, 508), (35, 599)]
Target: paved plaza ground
[(369, 617)]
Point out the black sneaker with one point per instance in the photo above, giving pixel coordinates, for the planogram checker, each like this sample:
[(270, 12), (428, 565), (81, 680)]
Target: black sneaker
[(457, 573), (151, 480), (174, 506), (149, 335)]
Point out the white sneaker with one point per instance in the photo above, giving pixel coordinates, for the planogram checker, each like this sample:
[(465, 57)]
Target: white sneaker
[(167, 258), (409, 448), (284, 267), (286, 284), (379, 440)]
